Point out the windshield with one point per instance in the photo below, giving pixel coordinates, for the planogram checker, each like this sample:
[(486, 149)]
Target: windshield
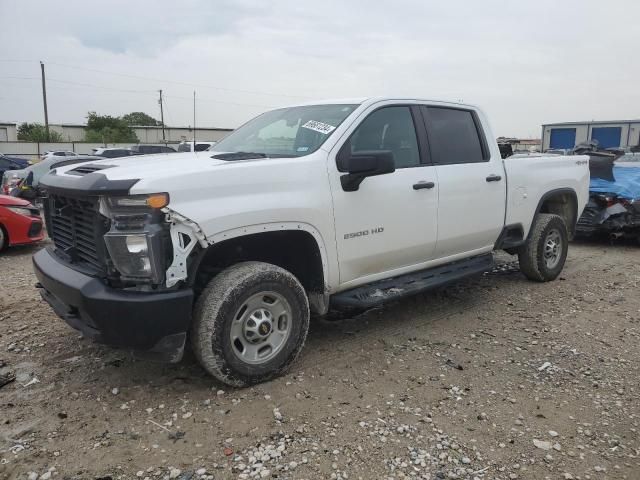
[(287, 132)]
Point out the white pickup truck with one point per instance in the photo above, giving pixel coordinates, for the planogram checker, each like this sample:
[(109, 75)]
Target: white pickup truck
[(329, 205)]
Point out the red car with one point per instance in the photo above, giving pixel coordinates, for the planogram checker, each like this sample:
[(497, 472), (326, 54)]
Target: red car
[(20, 222)]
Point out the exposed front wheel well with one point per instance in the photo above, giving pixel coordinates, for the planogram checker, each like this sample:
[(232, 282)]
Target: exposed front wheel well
[(296, 251), (563, 203)]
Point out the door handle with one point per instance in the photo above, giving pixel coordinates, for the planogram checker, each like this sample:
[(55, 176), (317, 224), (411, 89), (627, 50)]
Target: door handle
[(421, 185), (493, 178)]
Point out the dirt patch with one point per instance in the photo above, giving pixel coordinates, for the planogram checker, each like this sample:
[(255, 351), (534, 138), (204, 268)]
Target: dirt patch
[(495, 378)]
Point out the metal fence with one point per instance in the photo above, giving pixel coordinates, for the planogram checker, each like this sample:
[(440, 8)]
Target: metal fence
[(33, 150)]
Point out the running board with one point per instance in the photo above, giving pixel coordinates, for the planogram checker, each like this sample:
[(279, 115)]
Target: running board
[(383, 291)]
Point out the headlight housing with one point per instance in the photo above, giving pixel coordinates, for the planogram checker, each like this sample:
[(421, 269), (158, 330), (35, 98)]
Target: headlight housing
[(148, 201), (136, 241), (27, 211), (138, 256)]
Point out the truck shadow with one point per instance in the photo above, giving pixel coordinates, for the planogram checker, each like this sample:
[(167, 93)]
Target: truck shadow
[(332, 338)]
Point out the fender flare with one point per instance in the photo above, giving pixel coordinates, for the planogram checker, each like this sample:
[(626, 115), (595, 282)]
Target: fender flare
[(276, 227), (552, 193)]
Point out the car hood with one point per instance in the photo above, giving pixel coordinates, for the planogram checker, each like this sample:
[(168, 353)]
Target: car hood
[(7, 201), (15, 174)]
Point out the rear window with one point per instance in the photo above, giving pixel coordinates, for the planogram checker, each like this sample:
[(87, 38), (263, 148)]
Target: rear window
[(454, 136), (115, 153)]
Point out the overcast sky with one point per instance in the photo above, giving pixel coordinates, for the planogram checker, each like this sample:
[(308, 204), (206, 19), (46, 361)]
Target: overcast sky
[(525, 62)]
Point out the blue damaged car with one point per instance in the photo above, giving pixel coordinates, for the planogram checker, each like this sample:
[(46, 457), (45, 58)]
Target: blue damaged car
[(614, 198)]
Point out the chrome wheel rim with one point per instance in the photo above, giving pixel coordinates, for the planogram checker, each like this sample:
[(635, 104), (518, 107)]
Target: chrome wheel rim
[(552, 249), (261, 327)]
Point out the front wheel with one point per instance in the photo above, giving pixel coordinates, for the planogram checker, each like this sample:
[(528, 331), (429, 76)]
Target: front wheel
[(542, 257), (4, 241), (250, 323)]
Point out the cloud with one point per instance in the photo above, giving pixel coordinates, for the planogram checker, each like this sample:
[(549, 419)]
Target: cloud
[(525, 62)]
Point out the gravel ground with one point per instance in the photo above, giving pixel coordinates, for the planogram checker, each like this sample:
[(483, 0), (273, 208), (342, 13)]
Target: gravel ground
[(495, 378)]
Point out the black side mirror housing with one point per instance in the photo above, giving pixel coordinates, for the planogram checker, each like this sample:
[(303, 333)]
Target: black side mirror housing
[(362, 165)]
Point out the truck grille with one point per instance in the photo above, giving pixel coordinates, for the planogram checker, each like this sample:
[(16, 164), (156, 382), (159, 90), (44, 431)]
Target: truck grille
[(76, 228)]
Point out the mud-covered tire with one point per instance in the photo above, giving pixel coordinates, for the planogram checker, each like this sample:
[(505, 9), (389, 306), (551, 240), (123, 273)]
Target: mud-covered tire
[(224, 302), (543, 256)]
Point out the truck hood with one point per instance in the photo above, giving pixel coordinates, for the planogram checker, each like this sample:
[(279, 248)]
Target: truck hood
[(173, 173), (164, 165)]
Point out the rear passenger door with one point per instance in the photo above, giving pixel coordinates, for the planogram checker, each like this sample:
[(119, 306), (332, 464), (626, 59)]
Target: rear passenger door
[(472, 184)]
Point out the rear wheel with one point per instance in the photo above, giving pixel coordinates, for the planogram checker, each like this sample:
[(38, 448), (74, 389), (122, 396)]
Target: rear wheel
[(543, 256), (250, 323)]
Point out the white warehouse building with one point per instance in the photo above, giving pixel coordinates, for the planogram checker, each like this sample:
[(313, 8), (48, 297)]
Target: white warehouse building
[(609, 134)]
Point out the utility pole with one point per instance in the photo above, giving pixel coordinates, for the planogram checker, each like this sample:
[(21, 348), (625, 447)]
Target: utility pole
[(44, 100), (162, 117), (194, 120)]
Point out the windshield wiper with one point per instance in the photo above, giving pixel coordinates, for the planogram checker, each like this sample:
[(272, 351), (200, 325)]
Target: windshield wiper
[(239, 155)]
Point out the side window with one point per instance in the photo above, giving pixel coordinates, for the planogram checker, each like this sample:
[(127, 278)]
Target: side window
[(201, 147), (5, 163), (453, 136), (390, 129)]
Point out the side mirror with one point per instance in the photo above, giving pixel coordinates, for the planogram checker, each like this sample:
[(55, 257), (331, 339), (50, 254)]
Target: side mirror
[(362, 165)]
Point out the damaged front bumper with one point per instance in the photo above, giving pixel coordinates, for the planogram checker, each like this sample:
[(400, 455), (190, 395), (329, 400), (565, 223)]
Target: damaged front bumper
[(155, 323)]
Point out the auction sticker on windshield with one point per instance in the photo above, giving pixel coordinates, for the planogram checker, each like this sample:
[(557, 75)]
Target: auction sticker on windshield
[(324, 128)]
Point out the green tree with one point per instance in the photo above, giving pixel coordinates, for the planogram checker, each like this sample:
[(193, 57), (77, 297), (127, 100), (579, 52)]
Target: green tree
[(108, 129), (36, 132), (140, 119)]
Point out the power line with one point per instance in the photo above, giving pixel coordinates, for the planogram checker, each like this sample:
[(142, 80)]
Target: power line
[(144, 92), (147, 92), (18, 78), (253, 92), (221, 101), (166, 107)]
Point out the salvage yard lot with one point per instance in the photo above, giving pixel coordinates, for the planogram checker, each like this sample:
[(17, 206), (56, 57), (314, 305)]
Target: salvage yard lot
[(495, 378)]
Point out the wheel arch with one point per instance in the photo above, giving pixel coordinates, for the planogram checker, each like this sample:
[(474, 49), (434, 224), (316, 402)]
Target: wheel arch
[(295, 246), (7, 239), (562, 202)]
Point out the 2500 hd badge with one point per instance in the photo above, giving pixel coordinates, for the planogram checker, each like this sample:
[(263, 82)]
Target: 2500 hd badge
[(363, 233)]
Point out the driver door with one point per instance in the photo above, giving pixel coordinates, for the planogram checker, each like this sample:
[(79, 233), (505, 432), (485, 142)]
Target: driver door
[(389, 225)]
